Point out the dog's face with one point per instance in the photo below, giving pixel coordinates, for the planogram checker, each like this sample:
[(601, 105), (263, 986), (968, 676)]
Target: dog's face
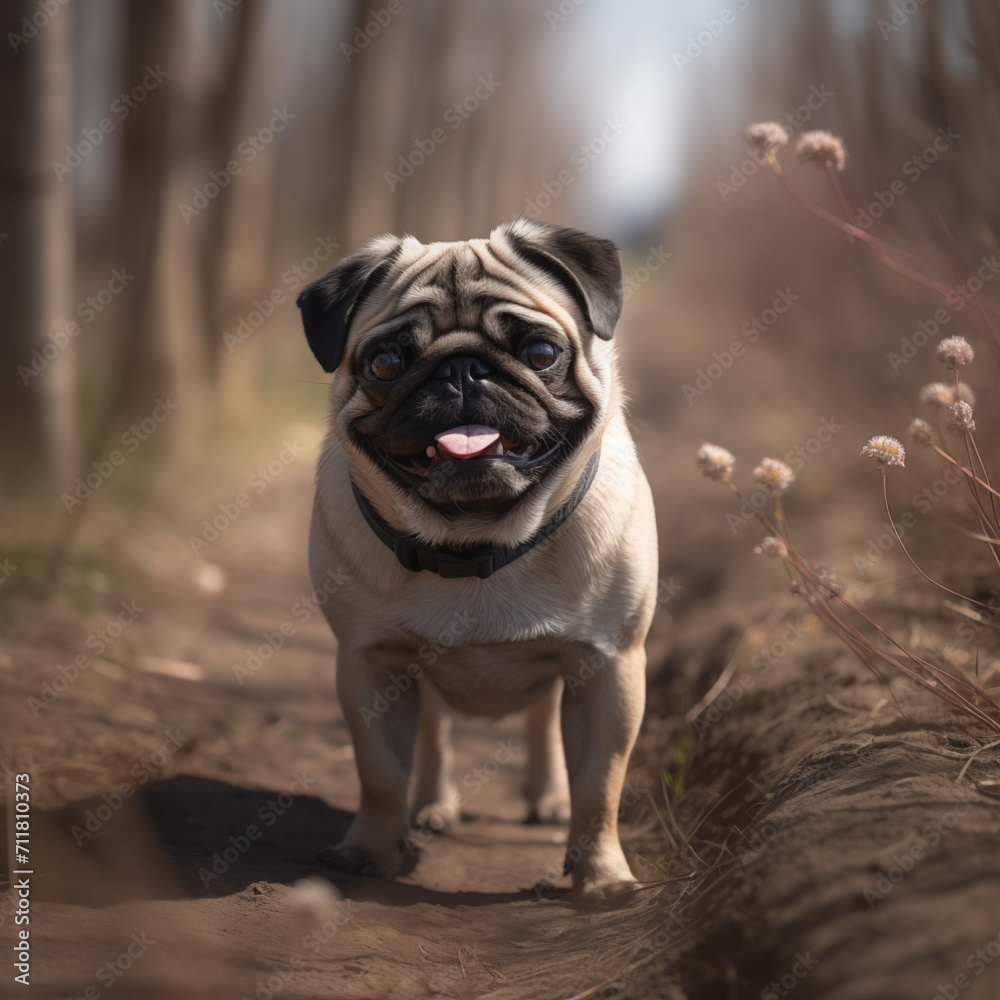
[(467, 373)]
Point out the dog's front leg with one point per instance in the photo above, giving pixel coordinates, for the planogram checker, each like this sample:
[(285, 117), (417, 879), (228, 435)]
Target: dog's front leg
[(601, 712), (382, 708)]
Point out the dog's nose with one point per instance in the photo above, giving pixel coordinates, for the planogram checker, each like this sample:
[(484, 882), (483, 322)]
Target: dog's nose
[(463, 373)]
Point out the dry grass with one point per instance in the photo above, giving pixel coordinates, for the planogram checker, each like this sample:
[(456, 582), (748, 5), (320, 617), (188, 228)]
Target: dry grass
[(963, 464)]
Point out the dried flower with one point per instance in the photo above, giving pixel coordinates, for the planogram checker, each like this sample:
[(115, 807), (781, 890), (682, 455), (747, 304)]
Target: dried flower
[(922, 432), (715, 462), (965, 394), (955, 352), (937, 394), (960, 420), (885, 450), (766, 136), (774, 475), (821, 148), (826, 577), (773, 548)]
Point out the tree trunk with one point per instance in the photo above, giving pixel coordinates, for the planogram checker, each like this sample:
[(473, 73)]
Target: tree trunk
[(37, 349)]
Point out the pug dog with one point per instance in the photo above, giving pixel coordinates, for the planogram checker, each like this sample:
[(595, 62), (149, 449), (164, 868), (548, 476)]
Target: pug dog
[(480, 494)]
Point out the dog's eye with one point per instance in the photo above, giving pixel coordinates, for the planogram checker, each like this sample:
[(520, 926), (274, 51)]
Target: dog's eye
[(386, 365), (539, 355)]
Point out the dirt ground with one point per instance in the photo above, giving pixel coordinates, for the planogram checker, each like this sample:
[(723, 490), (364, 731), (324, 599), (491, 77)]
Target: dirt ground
[(826, 836)]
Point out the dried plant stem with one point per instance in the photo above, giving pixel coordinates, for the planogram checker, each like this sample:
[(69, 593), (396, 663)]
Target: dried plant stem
[(883, 252), (968, 472), (986, 476), (957, 691), (892, 524), (964, 275), (779, 517), (841, 197)]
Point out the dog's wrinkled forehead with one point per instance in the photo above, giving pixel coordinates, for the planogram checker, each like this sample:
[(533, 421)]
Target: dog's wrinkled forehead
[(541, 271), (441, 287)]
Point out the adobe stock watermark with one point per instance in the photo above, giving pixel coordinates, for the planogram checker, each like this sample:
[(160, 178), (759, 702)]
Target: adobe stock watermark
[(102, 470), (579, 162), (268, 814), (712, 28), (904, 862), (247, 151), (760, 665), (656, 258), (455, 117), (756, 158), (302, 611), (473, 782), (562, 13), (901, 13), (673, 930), (263, 309), (224, 7), (429, 652), (257, 482), (99, 642), (787, 812), (796, 459), (121, 107), (143, 770), (958, 298), (914, 168), (632, 792), (977, 962), (705, 378), (113, 970), (88, 310), (282, 974), (781, 987), (923, 500), (45, 10)]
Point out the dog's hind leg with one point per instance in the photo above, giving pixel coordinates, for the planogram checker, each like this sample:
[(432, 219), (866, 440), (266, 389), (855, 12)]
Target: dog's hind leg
[(547, 786), (435, 797)]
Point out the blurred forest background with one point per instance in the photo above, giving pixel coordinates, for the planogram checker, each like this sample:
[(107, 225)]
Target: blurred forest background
[(174, 170)]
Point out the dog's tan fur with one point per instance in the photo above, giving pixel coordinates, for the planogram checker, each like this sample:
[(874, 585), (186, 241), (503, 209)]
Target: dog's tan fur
[(574, 610)]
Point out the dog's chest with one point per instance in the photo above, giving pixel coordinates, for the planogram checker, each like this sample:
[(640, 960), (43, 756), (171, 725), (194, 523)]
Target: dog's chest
[(489, 650)]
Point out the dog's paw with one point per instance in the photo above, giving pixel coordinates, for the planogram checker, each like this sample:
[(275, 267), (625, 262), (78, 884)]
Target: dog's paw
[(599, 875), (434, 818), (549, 809), (596, 892), (351, 861)]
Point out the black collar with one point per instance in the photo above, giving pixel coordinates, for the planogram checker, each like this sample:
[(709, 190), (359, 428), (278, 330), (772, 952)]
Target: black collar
[(415, 555)]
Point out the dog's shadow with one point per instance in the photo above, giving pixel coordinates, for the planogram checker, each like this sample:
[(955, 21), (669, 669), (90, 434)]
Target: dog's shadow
[(222, 838), (199, 838)]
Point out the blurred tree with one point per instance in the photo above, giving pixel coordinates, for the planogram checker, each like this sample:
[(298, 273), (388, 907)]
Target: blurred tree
[(38, 346), (237, 257), (161, 348)]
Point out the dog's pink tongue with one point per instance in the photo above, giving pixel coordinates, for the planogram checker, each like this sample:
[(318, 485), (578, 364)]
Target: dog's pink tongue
[(468, 441)]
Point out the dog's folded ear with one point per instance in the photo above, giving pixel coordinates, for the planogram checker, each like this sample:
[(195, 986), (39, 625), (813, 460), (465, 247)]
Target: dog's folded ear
[(329, 303), (589, 267)]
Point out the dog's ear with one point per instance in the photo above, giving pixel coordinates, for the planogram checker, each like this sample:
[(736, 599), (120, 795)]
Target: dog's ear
[(588, 266), (329, 303)]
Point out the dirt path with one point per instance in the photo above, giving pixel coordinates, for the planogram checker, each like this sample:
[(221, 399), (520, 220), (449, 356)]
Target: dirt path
[(184, 779), (182, 786)]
